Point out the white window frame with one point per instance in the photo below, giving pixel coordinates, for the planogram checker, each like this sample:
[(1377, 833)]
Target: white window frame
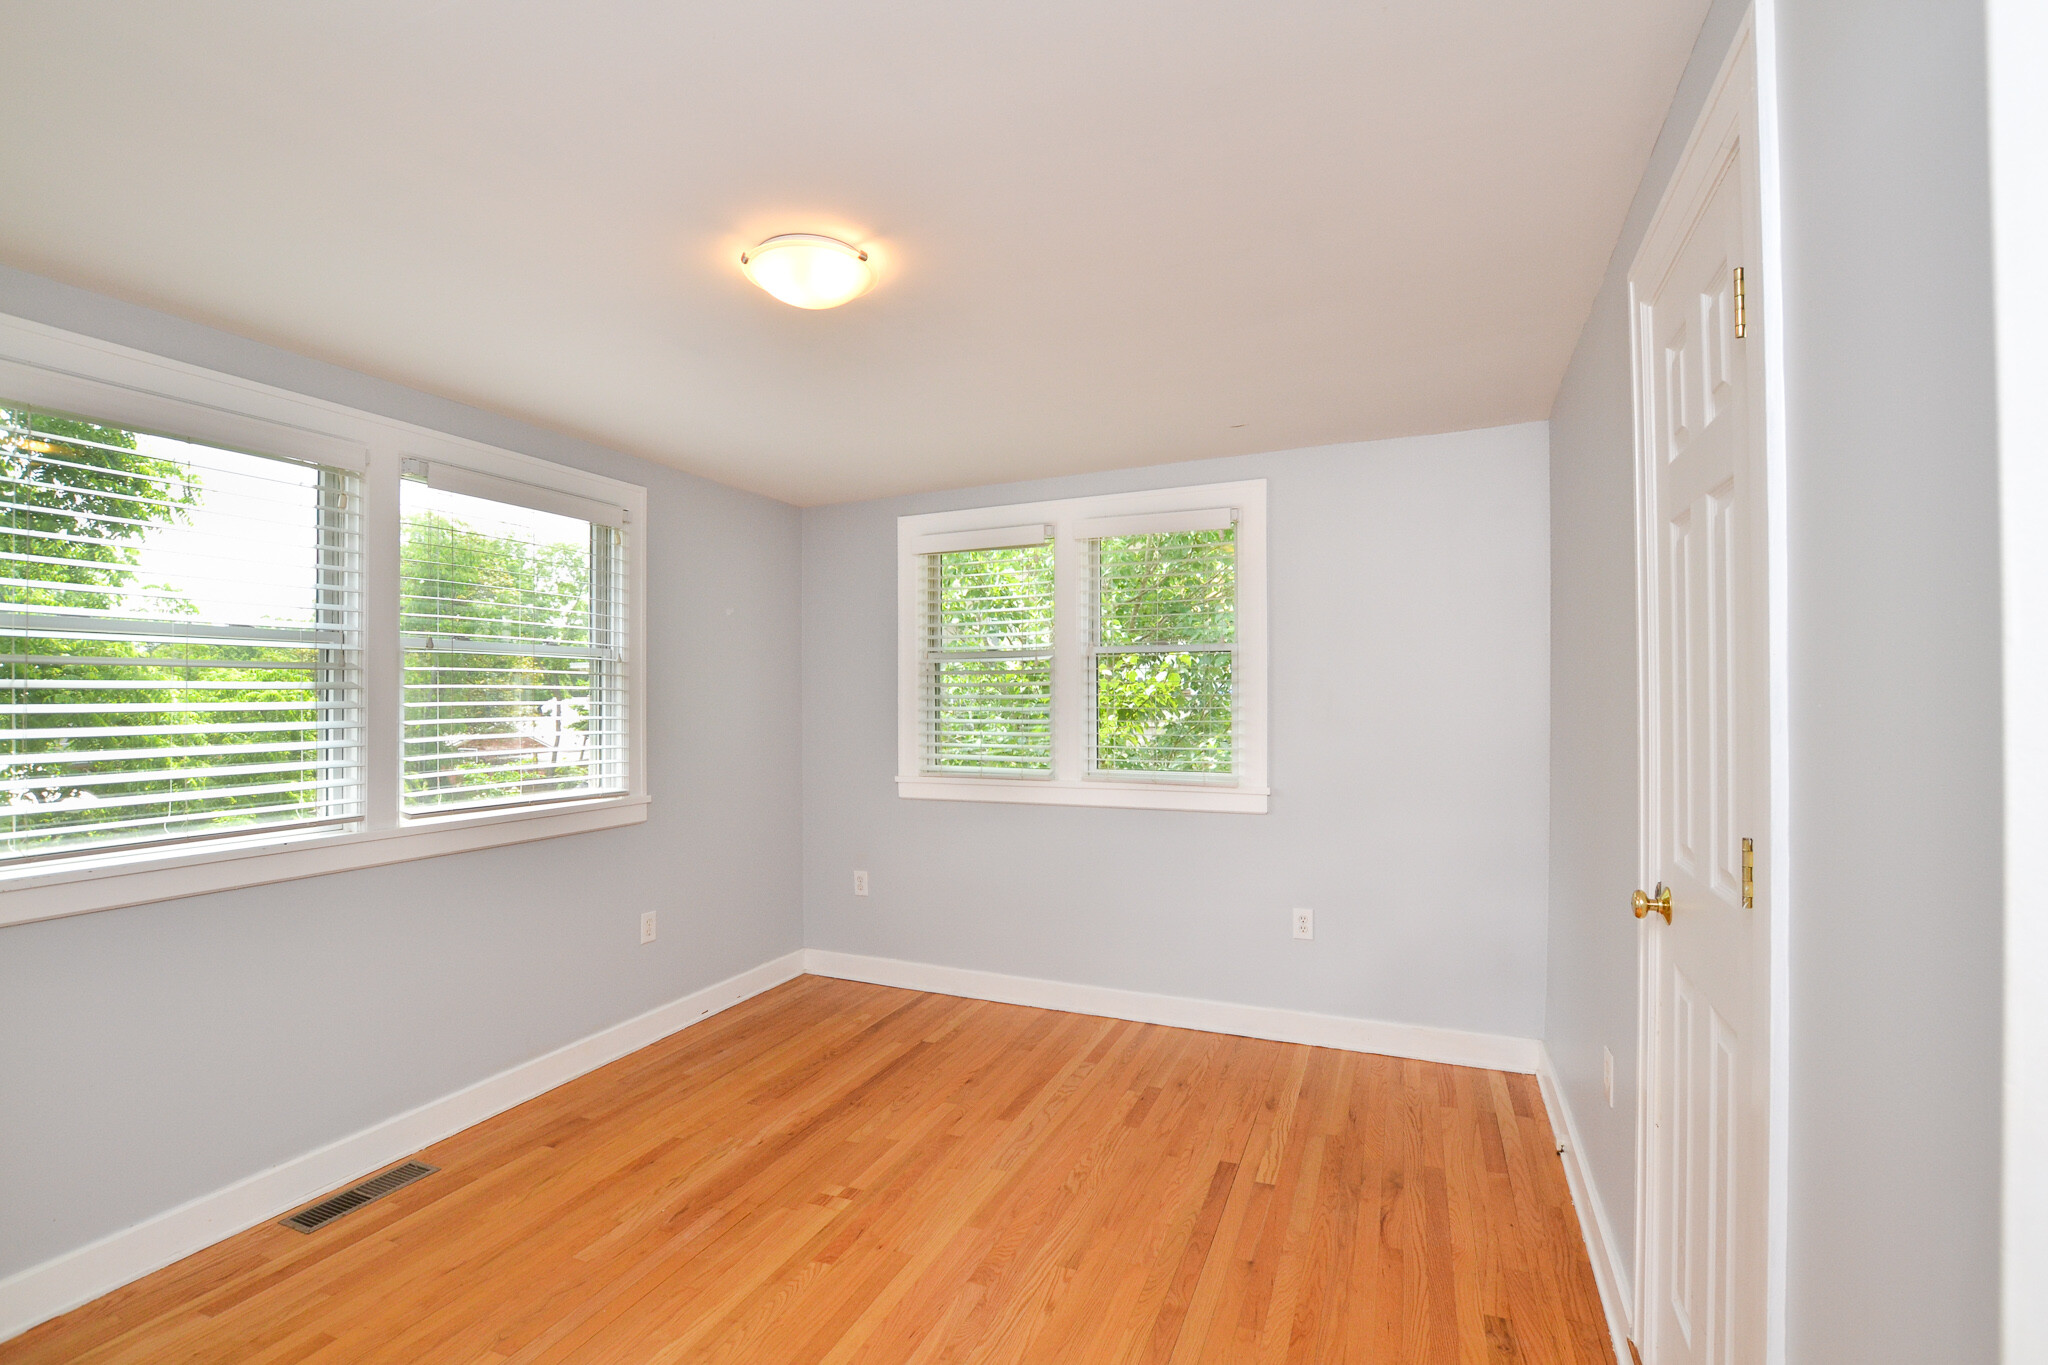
[(47, 368), (1070, 523)]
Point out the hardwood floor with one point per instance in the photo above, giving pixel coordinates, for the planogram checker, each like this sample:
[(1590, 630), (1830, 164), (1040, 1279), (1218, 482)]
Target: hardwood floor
[(835, 1172)]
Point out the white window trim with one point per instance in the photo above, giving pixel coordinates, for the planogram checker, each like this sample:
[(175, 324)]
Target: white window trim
[(48, 368), (1068, 523)]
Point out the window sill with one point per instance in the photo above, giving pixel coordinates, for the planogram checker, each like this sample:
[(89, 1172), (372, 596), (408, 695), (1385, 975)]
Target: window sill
[(1124, 795), (109, 883)]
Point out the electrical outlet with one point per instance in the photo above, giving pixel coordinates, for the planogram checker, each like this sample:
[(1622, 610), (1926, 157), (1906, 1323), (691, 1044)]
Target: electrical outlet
[(647, 927), (860, 883), (1304, 923), (1607, 1074)]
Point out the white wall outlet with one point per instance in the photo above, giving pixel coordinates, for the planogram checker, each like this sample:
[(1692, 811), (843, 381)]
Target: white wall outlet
[(1304, 923), (860, 883), (647, 927), (1607, 1074)]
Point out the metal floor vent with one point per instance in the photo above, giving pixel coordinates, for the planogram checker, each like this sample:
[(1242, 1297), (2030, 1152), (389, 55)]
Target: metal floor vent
[(376, 1187)]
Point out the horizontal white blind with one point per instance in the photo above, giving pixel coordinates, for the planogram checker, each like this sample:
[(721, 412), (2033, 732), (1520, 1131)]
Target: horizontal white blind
[(513, 631), (987, 660), (180, 629), (1163, 655)]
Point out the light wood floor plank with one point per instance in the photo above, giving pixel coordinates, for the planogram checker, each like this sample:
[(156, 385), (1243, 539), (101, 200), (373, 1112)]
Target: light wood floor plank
[(834, 1173)]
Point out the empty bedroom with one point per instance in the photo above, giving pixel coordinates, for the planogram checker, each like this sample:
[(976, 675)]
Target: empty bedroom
[(1289, 684)]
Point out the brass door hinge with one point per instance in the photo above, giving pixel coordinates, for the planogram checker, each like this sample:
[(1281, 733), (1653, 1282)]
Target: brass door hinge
[(1741, 321), (1749, 874)]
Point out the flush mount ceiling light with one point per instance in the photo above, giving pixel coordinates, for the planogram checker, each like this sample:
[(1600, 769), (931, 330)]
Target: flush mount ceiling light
[(809, 271)]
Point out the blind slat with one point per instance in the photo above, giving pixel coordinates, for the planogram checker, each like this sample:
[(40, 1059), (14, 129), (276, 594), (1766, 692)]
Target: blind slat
[(101, 780), (210, 797)]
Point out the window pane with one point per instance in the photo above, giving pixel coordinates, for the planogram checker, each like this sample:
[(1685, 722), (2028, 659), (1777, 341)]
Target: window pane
[(1174, 589), (995, 599), (1164, 674), (512, 622), (992, 713), (1163, 713), (988, 660), (179, 634)]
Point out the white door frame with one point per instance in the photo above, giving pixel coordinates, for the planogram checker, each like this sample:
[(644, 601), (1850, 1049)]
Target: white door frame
[(1753, 50), (2019, 170)]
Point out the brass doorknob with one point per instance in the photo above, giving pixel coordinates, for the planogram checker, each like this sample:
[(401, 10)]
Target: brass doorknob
[(1661, 902)]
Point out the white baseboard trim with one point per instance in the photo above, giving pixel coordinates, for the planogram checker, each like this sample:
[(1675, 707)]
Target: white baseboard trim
[(1495, 1051), (57, 1286), (1616, 1295)]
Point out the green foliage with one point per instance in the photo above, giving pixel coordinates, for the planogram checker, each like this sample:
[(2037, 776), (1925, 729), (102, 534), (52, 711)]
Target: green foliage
[(123, 747), (1163, 713), (992, 712), (1159, 709), (996, 599), (96, 728), (1164, 668), (495, 723), (1178, 588), (461, 581), (67, 482)]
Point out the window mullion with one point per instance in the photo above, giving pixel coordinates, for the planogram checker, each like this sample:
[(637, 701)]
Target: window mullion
[(339, 609), (1071, 716), (383, 677)]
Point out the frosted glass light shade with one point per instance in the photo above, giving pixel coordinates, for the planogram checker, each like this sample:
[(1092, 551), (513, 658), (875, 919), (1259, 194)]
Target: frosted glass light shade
[(809, 271)]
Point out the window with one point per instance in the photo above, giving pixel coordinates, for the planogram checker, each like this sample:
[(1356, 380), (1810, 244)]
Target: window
[(246, 635), (1092, 651), (182, 640), (511, 621), (1162, 654), (988, 660)]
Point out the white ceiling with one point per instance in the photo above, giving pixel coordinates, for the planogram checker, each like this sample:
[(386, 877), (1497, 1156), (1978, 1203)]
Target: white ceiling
[(1109, 234)]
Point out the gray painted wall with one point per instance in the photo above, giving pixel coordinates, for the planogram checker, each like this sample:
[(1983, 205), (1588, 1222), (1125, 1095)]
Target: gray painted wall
[(1592, 957), (1896, 974), (1409, 761), (1895, 712), (154, 1054)]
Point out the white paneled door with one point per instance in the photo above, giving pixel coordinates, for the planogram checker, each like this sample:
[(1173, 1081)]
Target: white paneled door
[(1706, 753)]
